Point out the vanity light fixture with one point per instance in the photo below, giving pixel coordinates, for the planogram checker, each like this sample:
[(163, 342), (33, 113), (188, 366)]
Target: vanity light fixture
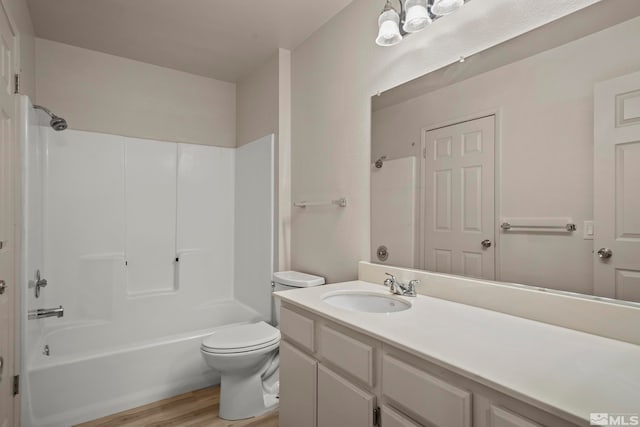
[(414, 16)]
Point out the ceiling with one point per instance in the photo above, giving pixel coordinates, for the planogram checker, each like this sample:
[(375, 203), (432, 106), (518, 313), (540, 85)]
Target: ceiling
[(223, 40)]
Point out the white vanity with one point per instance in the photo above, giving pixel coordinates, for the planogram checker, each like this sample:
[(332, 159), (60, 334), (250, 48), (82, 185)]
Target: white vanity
[(442, 363)]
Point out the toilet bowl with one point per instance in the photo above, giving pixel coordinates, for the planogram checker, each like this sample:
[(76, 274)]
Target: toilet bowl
[(246, 356)]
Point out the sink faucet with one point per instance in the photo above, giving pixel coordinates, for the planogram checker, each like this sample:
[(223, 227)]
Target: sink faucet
[(398, 288)]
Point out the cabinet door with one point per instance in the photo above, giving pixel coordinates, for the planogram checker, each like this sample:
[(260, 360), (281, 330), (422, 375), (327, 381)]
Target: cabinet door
[(393, 418), (503, 418), (340, 403), (298, 380)]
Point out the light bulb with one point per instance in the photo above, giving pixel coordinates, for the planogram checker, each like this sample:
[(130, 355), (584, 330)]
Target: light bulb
[(445, 7), (417, 16), (388, 28)]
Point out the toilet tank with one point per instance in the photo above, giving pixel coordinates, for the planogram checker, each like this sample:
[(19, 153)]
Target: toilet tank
[(287, 280)]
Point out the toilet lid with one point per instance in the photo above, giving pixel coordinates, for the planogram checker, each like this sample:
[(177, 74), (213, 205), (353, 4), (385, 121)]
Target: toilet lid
[(241, 337)]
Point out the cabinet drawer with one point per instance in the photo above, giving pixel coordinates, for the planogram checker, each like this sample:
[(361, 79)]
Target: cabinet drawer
[(392, 418), (503, 418), (348, 353), (430, 398), (297, 328)]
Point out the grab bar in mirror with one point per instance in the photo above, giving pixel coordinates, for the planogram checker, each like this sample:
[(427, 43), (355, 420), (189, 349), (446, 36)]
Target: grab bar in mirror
[(539, 224), (342, 202)]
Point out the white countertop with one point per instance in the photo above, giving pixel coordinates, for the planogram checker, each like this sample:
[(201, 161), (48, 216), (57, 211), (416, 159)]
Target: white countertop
[(556, 369)]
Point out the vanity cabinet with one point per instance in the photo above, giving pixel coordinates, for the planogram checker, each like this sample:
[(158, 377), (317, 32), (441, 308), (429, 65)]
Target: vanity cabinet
[(327, 373), (333, 376)]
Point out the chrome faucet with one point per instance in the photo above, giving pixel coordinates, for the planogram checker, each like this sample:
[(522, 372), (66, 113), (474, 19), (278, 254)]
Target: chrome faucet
[(398, 288), (41, 313)]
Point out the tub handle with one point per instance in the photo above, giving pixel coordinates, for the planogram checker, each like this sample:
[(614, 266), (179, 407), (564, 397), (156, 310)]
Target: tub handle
[(38, 283)]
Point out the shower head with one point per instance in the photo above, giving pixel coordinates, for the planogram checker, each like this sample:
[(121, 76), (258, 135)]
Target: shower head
[(57, 123), (380, 161)]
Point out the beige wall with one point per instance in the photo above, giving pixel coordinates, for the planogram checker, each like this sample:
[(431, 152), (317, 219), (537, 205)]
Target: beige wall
[(546, 107), (263, 108), (257, 102), (284, 160), (105, 93), (334, 74)]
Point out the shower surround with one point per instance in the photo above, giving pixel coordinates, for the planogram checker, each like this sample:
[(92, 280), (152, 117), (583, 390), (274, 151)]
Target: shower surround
[(140, 244)]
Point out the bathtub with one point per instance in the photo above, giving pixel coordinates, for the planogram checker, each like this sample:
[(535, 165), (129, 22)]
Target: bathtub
[(92, 371)]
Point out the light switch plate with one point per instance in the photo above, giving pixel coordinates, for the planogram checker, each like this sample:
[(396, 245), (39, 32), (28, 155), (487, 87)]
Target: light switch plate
[(587, 230)]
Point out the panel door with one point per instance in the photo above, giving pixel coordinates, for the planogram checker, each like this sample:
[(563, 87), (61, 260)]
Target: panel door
[(459, 199), (340, 403), (297, 387), (8, 234), (617, 188)]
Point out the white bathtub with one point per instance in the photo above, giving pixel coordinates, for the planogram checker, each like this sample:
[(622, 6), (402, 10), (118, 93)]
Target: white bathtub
[(143, 257), (88, 375)]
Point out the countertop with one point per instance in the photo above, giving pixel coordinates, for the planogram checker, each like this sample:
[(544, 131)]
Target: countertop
[(559, 370)]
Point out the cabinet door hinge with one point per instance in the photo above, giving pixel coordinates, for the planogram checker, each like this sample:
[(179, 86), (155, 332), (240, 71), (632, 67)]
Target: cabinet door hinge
[(16, 83), (16, 384), (376, 416)]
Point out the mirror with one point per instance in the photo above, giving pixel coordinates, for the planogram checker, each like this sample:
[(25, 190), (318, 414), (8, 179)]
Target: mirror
[(485, 168)]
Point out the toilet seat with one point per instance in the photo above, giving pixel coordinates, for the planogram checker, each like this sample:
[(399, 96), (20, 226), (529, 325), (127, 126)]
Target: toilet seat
[(241, 339)]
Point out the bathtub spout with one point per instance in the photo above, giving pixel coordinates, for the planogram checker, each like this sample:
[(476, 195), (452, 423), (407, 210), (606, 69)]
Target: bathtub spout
[(46, 312)]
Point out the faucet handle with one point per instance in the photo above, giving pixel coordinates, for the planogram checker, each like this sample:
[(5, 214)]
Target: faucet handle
[(390, 281), (411, 288)]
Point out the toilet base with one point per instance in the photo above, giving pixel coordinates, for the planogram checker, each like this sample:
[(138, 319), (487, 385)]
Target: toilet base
[(244, 397)]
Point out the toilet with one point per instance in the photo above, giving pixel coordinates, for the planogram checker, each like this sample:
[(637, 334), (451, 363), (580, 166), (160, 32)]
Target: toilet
[(246, 356)]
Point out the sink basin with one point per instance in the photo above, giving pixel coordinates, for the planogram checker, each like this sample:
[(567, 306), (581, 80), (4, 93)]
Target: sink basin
[(368, 302)]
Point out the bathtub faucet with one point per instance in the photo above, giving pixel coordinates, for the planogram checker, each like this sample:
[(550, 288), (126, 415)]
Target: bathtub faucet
[(46, 312)]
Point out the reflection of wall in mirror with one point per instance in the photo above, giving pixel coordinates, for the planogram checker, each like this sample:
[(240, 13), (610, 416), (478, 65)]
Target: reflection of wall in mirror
[(545, 138), (393, 204)]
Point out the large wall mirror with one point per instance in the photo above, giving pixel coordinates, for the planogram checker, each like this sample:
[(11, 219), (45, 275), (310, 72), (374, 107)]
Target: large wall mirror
[(520, 164)]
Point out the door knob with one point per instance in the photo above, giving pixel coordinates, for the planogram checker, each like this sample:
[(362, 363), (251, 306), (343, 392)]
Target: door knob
[(486, 243), (3, 287), (605, 253)]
